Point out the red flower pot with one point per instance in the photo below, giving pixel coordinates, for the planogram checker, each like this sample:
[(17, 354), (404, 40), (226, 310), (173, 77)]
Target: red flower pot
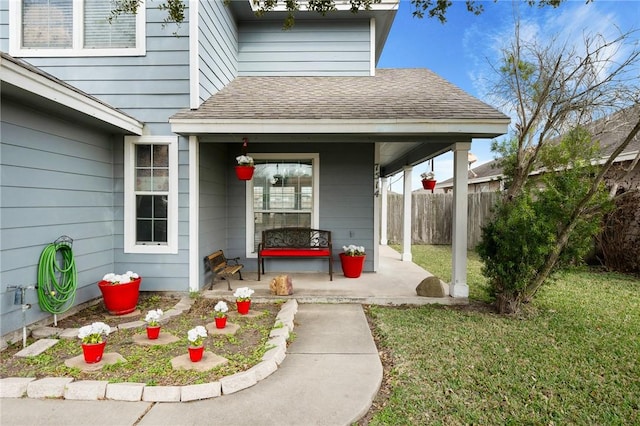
[(153, 332), (120, 299), (221, 322), (195, 354), (243, 307), (244, 172), (352, 265), (428, 183), (93, 351)]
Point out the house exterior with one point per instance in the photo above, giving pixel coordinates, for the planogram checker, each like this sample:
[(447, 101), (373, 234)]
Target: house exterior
[(609, 131), (124, 137)]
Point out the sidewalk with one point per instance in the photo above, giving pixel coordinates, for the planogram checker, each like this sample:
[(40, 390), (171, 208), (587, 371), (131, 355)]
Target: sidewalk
[(330, 376)]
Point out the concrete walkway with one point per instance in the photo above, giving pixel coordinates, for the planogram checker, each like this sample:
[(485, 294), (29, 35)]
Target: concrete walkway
[(330, 376)]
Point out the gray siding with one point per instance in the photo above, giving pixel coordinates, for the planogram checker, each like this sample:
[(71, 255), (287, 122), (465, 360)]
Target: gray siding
[(213, 211), (56, 179), (151, 88), (4, 26), (217, 48), (315, 48), (346, 202)]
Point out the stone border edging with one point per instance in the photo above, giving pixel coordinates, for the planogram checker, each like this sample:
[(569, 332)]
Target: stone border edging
[(67, 388)]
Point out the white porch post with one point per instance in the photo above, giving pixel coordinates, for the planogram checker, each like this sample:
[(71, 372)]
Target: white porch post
[(458, 286), (406, 215), (383, 210), (194, 207)]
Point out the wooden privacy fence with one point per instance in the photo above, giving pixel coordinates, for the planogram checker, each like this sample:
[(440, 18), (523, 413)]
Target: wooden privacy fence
[(432, 217)]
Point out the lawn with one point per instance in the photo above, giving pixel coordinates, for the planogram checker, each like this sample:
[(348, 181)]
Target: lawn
[(572, 356)]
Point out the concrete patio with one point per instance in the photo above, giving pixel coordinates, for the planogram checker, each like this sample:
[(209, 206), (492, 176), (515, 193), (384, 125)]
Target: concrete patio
[(394, 284)]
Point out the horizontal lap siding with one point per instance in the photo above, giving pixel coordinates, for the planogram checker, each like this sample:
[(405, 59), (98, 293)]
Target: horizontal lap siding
[(217, 48), (213, 212), (150, 88), (56, 179), (317, 48)]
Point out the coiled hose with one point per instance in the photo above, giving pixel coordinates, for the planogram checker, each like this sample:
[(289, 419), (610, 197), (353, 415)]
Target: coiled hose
[(57, 284)]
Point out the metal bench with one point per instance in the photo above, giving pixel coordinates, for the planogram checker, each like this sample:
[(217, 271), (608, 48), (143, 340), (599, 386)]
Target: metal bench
[(295, 243), (221, 268)]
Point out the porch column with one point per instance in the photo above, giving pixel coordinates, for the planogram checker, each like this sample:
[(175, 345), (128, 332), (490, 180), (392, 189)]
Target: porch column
[(194, 218), (406, 215), (383, 210), (458, 286)]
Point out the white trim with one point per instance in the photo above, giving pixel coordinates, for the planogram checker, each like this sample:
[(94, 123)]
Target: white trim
[(194, 213), (372, 47), (47, 88), (194, 55), (479, 127), (130, 245), (339, 6), (315, 213), (458, 286), (15, 36), (407, 193)]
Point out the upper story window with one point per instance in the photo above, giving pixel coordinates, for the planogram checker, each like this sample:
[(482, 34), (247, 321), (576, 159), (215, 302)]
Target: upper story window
[(74, 28)]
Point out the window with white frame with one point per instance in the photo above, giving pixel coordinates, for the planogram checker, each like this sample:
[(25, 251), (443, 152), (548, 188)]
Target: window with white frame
[(283, 193), (74, 28), (151, 194)]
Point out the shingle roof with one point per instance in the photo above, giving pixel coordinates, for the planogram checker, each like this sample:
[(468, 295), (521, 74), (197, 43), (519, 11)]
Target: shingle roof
[(390, 94)]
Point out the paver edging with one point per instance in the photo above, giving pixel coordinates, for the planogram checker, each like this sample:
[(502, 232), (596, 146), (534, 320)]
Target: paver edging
[(261, 371)]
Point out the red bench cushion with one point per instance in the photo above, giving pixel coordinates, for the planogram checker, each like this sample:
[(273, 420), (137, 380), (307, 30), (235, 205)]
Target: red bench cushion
[(286, 252)]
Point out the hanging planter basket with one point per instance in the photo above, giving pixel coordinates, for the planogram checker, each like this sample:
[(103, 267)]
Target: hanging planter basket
[(244, 172), (428, 183)]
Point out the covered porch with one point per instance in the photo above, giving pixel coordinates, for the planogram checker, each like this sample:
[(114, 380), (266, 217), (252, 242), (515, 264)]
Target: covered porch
[(393, 284)]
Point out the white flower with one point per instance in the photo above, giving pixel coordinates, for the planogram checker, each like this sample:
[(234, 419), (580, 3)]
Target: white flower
[(353, 250), (153, 316), (243, 293), (196, 335), (427, 175), (93, 333), (121, 279), (220, 308), (244, 160)]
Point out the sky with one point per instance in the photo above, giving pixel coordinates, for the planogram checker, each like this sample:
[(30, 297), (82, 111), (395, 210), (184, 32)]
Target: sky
[(462, 49)]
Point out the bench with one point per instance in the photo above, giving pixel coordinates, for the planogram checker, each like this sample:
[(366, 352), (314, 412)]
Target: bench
[(221, 267), (295, 243)]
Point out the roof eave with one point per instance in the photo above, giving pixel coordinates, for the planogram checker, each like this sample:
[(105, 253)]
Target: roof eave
[(478, 128)]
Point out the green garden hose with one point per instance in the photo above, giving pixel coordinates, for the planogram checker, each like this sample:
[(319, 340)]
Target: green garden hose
[(57, 284)]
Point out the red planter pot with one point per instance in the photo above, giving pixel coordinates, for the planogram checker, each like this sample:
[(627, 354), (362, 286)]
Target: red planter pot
[(244, 172), (428, 183), (221, 322), (93, 351), (120, 299), (243, 307), (352, 265), (153, 332), (195, 354)]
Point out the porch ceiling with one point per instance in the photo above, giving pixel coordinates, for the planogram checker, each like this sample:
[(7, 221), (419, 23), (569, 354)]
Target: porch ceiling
[(413, 113)]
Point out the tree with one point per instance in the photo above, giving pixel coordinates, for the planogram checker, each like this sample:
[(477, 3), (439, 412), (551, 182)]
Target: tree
[(555, 91), (431, 8)]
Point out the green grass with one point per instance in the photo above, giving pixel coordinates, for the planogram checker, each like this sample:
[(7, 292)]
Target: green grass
[(572, 357)]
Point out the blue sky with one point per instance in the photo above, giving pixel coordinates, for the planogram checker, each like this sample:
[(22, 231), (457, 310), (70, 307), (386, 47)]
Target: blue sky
[(462, 49)]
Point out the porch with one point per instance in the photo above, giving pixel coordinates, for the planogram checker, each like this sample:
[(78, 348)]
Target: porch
[(393, 284)]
